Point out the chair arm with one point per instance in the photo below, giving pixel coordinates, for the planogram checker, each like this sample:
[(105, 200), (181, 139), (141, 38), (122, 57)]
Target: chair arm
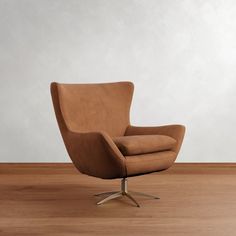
[(95, 154), (175, 131)]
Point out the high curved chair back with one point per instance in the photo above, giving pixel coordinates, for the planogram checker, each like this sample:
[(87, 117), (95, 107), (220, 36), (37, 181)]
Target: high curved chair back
[(93, 107)]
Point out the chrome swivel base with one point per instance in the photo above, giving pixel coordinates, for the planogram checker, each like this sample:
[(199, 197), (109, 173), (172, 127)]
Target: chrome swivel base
[(122, 192)]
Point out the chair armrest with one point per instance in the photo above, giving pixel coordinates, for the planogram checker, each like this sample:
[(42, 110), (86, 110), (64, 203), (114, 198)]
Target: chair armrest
[(175, 131), (95, 154)]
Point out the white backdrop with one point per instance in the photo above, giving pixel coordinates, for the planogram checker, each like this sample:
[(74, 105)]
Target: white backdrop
[(181, 56)]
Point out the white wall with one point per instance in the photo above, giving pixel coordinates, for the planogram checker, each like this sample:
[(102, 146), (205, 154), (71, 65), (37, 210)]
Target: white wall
[(181, 55)]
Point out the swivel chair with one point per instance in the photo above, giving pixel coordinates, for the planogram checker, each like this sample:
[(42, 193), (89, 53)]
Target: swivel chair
[(95, 126)]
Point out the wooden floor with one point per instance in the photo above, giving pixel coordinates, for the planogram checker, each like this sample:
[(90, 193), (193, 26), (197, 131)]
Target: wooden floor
[(54, 199)]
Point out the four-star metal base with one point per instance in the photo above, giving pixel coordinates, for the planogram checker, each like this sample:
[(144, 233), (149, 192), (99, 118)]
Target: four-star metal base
[(122, 192)]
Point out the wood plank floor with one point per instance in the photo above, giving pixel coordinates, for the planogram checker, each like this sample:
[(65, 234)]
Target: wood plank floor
[(54, 199)]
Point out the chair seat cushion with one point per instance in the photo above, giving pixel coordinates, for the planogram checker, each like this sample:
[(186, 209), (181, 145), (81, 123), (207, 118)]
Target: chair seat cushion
[(149, 162), (141, 144)]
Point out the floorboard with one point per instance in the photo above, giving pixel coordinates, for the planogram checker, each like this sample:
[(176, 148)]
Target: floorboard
[(55, 199)]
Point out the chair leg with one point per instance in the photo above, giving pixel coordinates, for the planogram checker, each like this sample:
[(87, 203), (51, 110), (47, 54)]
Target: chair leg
[(110, 197), (144, 194), (105, 193), (123, 192), (132, 199)]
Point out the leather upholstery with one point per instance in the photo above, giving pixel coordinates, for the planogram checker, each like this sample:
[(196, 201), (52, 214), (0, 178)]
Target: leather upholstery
[(175, 131), (147, 163), (96, 107), (141, 144), (90, 115)]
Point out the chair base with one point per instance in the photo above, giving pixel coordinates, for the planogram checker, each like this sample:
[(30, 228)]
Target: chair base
[(123, 192)]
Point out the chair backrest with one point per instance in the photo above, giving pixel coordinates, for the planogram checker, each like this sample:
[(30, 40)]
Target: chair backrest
[(93, 107)]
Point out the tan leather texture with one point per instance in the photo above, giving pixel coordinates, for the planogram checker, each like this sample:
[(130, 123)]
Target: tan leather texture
[(141, 144), (175, 131), (147, 163), (96, 107), (90, 115)]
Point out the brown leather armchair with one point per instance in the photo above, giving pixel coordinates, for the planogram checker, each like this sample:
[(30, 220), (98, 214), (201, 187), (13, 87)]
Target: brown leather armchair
[(95, 126)]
